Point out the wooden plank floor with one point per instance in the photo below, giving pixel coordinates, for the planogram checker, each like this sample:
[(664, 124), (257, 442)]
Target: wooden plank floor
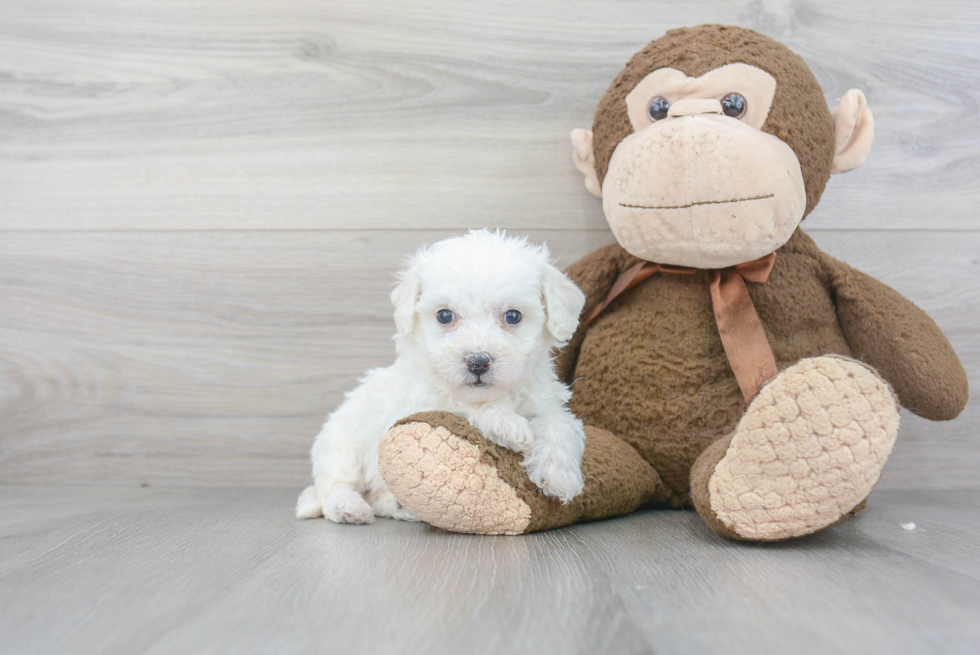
[(155, 570)]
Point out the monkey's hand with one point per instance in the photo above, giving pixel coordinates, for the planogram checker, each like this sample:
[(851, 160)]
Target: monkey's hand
[(889, 332)]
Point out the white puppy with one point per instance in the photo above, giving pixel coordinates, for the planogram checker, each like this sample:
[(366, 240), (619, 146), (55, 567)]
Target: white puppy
[(478, 317)]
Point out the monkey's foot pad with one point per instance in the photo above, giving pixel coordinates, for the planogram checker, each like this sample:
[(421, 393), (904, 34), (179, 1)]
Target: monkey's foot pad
[(442, 480), (807, 451)]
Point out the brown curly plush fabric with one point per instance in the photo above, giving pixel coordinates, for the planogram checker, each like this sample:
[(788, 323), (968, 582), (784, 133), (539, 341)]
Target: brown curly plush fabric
[(652, 370), (934, 385), (799, 116)]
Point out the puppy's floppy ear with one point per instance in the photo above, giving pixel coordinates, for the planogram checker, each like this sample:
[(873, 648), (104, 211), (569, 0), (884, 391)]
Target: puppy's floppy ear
[(563, 302), (404, 297)]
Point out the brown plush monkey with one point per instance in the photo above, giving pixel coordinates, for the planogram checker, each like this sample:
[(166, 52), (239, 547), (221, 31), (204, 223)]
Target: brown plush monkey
[(723, 361)]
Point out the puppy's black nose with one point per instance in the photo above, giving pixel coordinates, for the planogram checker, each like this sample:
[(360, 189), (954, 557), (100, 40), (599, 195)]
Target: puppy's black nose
[(478, 363)]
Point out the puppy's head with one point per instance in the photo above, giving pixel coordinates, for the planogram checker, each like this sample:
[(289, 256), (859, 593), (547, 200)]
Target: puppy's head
[(483, 311)]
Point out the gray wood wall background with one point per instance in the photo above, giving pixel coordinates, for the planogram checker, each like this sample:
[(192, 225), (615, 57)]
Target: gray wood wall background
[(202, 203)]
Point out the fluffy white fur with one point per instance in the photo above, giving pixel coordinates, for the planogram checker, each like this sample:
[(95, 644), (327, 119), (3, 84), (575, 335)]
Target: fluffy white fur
[(518, 403)]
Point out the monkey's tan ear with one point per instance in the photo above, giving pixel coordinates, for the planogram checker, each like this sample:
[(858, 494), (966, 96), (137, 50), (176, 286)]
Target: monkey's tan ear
[(585, 159), (854, 130)]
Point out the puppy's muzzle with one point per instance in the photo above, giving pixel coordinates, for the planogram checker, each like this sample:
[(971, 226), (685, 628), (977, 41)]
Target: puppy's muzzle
[(478, 363)]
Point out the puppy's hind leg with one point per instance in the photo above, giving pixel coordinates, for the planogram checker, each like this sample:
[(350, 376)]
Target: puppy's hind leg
[(308, 505), (337, 476)]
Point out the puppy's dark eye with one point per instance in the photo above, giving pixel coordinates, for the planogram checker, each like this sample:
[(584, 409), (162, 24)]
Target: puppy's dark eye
[(657, 108), (733, 105), (512, 316), (445, 316)]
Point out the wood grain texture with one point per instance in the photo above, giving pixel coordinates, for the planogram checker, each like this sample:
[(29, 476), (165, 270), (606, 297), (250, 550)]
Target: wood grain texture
[(211, 358), (182, 356), (201, 205), (305, 114), (99, 570)]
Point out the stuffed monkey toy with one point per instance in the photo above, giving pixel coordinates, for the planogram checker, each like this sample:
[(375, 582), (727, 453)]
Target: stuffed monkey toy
[(723, 362)]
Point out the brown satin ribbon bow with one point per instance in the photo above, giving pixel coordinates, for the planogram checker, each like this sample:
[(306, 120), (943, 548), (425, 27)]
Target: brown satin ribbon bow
[(742, 335)]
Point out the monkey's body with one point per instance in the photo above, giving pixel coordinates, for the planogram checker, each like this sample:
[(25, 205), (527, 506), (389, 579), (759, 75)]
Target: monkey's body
[(652, 370), (708, 150)]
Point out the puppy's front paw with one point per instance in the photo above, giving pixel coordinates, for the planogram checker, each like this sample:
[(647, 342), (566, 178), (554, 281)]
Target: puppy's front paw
[(512, 431), (557, 472), (347, 506)]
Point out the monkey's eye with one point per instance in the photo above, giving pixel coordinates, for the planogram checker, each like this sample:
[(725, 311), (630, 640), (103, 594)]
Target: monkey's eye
[(657, 108), (512, 316), (445, 316), (733, 105)]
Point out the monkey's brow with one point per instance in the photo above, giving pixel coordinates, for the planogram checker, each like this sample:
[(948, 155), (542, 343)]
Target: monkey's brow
[(693, 204)]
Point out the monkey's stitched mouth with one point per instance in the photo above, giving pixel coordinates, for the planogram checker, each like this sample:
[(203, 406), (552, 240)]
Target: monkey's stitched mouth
[(695, 204)]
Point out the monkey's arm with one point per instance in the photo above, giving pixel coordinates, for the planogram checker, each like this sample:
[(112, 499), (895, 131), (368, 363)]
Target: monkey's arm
[(594, 274), (887, 331)]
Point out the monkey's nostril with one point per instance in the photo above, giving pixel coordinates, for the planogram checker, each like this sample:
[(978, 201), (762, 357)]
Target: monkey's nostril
[(478, 363)]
